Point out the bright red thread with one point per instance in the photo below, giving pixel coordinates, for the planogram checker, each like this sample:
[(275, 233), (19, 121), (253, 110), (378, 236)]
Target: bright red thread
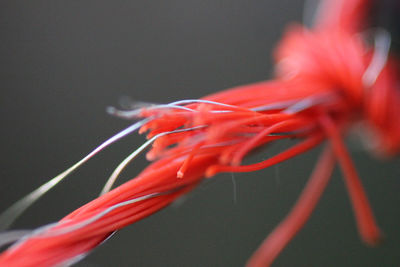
[(319, 92)]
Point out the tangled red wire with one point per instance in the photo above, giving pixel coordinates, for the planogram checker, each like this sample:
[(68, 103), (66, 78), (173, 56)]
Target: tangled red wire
[(327, 79)]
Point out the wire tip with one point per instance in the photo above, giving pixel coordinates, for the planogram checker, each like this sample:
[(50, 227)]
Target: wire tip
[(180, 174), (211, 171), (374, 239), (111, 110)]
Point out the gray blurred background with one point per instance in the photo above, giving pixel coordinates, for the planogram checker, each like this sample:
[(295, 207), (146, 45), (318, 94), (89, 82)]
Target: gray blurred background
[(63, 62)]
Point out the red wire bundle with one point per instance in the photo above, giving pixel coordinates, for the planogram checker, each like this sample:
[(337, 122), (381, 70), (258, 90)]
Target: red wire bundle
[(320, 90)]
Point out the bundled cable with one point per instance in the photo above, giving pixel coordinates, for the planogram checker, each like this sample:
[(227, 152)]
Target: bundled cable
[(327, 79)]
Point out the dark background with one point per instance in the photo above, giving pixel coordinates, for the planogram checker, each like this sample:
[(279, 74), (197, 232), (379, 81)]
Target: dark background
[(63, 62)]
